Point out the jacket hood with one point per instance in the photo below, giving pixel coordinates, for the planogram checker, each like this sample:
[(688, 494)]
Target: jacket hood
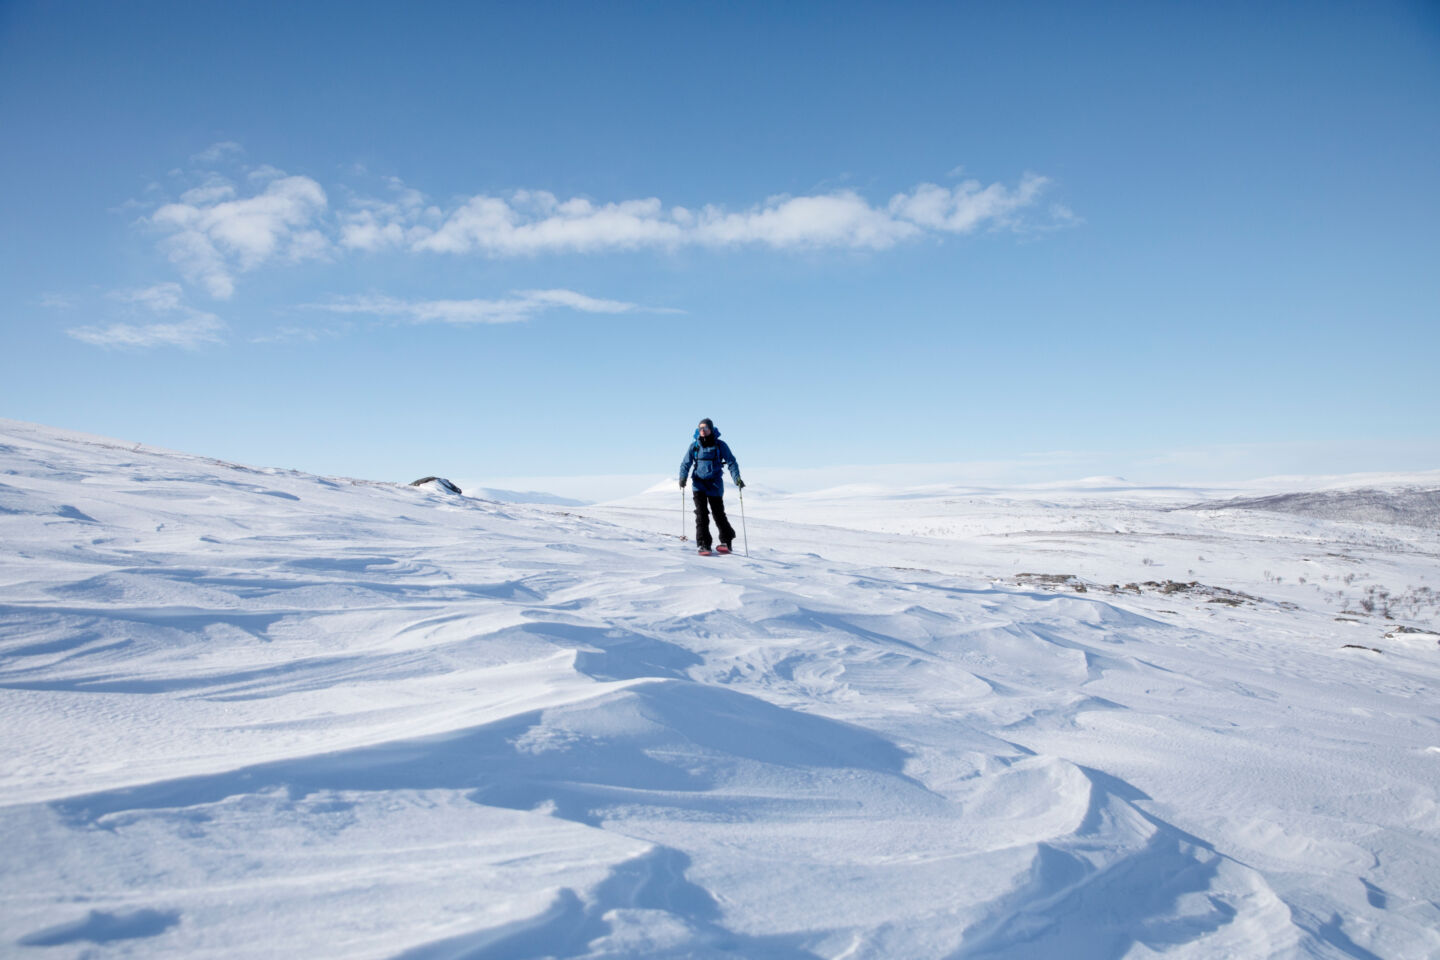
[(714, 432)]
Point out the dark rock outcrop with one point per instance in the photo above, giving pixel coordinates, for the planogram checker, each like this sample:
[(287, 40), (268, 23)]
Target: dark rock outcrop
[(440, 482)]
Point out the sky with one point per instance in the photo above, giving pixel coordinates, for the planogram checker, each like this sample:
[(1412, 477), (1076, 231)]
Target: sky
[(530, 245)]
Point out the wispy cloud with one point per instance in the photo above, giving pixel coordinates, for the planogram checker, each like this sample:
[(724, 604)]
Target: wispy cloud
[(528, 222), (967, 206), (519, 306), (223, 225), (57, 301), (308, 334), (211, 192), (174, 323), (216, 152), (1061, 217), (374, 223), (212, 233)]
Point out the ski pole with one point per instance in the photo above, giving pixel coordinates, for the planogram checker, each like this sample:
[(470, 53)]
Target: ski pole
[(682, 514), (743, 528)]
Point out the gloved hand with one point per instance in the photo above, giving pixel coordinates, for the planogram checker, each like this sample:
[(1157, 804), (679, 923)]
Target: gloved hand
[(682, 483), (739, 484)]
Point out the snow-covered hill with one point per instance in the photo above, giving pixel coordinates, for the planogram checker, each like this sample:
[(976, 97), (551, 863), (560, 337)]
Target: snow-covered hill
[(261, 713), (1418, 507)]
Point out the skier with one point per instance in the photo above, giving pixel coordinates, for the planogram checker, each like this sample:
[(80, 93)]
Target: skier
[(707, 454)]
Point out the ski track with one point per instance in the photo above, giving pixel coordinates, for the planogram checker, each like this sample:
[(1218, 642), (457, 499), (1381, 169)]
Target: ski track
[(262, 713)]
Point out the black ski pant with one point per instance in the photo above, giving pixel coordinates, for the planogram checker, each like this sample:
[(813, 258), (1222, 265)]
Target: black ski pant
[(704, 506)]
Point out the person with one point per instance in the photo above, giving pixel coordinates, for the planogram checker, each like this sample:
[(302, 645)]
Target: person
[(706, 456)]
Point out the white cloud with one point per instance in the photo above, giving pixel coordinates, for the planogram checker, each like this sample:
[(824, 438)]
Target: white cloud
[(176, 325), (521, 305), (406, 197), (537, 223), (57, 301), (212, 192), (364, 230), (1061, 216), (374, 224), (308, 245), (161, 298), (211, 235), (968, 205), (221, 227), (529, 222), (306, 334), (189, 334), (842, 219), (579, 301), (217, 152), (264, 172)]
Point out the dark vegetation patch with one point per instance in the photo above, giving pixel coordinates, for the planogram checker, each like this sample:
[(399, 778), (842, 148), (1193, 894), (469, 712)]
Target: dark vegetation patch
[(1068, 581), (1415, 603), (1052, 581), (1416, 632)]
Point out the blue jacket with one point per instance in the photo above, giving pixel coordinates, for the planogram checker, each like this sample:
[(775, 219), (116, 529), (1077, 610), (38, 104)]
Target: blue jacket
[(707, 463)]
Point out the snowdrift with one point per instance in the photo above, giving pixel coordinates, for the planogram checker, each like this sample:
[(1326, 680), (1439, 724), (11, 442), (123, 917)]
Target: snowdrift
[(261, 713)]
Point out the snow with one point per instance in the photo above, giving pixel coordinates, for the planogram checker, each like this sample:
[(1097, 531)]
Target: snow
[(524, 496), (255, 712)]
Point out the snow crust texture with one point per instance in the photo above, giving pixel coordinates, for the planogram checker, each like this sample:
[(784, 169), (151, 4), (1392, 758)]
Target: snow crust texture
[(258, 713)]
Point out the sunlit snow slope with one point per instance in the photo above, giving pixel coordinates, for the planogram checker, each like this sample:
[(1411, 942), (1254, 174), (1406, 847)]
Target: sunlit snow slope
[(257, 713)]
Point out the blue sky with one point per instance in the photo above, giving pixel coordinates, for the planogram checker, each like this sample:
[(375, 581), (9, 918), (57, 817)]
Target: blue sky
[(511, 243)]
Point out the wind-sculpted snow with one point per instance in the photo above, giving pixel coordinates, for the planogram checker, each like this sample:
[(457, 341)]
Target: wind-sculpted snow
[(261, 713)]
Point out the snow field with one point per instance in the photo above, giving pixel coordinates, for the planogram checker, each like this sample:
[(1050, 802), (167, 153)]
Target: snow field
[(258, 713)]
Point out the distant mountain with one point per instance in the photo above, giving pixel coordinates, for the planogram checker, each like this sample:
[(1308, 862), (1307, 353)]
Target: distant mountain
[(1410, 506)]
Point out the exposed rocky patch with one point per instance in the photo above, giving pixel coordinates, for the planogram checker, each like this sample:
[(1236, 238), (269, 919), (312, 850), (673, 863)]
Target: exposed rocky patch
[(1068, 581), (1053, 581), (1412, 633), (438, 482)]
